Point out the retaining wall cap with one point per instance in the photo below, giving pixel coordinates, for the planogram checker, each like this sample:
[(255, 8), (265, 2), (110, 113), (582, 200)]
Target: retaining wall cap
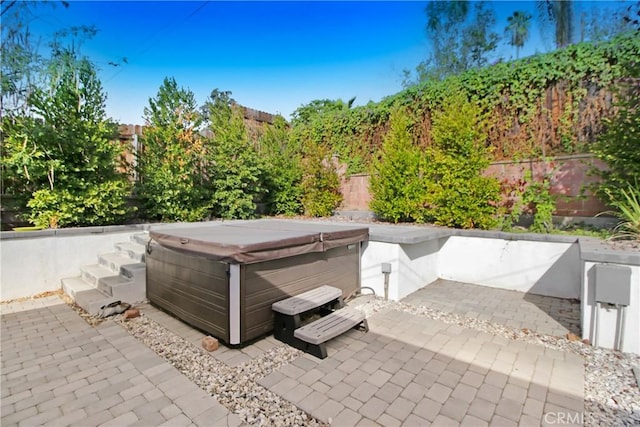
[(597, 250), (67, 232), (408, 234)]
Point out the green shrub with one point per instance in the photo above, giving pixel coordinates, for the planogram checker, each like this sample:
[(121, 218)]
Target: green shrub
[(627, 203), (396, 181), (538, 200), (102, 204), (320, 182), (234, 170), (458, 195), (283, 177), (442, 183)]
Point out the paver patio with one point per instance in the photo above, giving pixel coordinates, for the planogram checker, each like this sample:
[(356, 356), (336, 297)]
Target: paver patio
[(547, 315), (416, 371), (58, 370), (407, 369)]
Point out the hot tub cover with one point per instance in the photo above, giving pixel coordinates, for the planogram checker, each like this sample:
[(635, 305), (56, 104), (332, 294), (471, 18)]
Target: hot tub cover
[(254, 241)]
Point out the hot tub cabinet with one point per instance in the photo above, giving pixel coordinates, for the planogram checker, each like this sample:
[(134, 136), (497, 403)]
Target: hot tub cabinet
[(223, 277)]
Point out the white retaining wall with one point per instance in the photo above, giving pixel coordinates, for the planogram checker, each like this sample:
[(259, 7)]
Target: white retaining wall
[(412, 266), (29, 266), (543, 268)]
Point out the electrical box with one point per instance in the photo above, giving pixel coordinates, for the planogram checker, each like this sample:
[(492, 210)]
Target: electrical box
[(386, 267), (613, 284)]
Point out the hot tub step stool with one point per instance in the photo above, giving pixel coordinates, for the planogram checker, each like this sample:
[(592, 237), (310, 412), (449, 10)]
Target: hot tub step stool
[(311, 338)]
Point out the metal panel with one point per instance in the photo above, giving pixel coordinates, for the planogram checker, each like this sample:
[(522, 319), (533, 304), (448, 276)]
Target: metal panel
[(196, 290), (270, 281), (234, 304), (613, 284)]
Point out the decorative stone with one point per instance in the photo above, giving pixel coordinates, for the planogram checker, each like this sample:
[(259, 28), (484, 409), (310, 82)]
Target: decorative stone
[(209, 343), (573, 337), (132, 313), (586, 342)]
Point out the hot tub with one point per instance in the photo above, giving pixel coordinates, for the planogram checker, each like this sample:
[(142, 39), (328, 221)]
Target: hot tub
[(223, 277)]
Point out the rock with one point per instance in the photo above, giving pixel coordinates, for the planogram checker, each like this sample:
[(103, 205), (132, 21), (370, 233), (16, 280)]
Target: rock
[(116, 307), (573, 337), (586, 342), (132, 313), (209, 343)]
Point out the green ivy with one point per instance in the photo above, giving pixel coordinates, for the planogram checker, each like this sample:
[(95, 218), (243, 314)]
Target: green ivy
[(619, 145), (510, 94)]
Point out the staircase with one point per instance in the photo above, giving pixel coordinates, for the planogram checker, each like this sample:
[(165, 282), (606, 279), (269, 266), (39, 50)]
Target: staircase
[(118, 276)]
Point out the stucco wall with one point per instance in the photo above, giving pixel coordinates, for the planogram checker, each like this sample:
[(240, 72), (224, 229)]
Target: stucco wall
[(30, 266), (542, 268), (412, 266)]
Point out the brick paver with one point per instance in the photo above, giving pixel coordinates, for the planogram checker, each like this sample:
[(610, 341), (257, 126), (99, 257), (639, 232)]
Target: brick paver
[(503, 383), (407, 370), (58, 370), (547, 315)]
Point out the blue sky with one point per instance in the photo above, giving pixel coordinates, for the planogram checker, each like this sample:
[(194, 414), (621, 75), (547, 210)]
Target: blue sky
[(272, 56)]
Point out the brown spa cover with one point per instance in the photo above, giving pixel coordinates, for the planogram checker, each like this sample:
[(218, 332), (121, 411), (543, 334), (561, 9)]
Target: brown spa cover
[(247, 242)]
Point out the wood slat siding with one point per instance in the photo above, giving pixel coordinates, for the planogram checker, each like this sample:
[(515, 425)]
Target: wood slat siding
[(196, 290)]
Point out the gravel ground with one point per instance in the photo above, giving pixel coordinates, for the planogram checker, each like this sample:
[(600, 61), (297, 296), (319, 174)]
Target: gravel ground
[(234, 387), (612, 396)]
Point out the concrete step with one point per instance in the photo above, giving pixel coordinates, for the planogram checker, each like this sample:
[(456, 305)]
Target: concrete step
[(118, 276), (132, 291), (133, 250), (94, 272), (134, 271), (85, 295), (141, 238), (124, 289), (115, 261)]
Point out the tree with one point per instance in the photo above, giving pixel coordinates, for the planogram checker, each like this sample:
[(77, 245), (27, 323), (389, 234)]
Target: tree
[(234, 169), (396, 181), (283, 177), (20, 61), (461, 38), (63, 154), (458, 194), (604, 23), (320, 107), (518, 30), (560, 13), (172, 183)]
